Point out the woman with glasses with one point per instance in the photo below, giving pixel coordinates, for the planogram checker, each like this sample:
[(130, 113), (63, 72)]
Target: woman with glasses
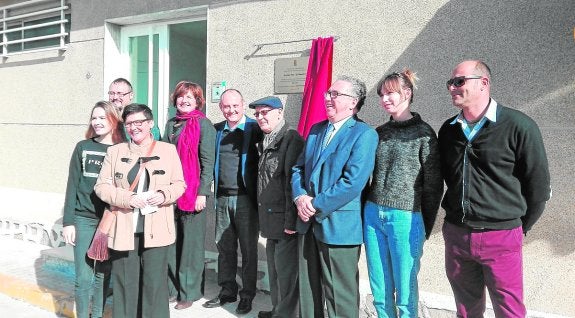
[(83, 209), (140, 180), (195, 139), (403, 199)]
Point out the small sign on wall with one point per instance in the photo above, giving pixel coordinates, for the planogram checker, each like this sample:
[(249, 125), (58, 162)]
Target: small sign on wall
[(289, 75), (217, 89)]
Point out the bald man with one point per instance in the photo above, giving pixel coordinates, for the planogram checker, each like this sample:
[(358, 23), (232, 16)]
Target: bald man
[(497, 176)]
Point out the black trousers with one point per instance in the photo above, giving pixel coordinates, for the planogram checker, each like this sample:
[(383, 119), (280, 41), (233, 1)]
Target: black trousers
[(283, 276), (140, 282), (237, 221), (328, 273), (186, 257)]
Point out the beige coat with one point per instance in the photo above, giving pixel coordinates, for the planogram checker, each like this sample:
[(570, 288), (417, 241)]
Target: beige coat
[(113, 188)]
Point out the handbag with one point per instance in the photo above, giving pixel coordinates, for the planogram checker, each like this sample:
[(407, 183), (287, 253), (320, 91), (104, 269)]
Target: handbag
[(98, 249)]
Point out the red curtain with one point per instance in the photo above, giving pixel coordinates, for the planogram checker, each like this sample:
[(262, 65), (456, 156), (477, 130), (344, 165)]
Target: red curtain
[(317, 82)]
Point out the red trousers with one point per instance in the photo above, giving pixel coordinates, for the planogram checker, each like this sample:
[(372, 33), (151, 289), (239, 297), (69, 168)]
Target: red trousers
[(475, 259)]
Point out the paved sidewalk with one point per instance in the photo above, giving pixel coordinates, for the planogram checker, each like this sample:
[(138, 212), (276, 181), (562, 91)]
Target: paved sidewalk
[(25, 276), (13, 308)]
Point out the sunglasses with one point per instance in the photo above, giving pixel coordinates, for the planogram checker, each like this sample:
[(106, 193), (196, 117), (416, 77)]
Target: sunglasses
[(460, 80)]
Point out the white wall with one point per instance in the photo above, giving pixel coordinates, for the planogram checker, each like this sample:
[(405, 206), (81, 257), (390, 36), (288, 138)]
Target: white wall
[(45, 97)]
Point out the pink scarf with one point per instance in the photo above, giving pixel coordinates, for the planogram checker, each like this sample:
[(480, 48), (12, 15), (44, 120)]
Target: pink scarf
[(188, 144)]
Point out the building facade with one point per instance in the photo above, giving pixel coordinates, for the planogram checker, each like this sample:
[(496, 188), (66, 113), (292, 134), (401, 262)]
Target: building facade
[(48, 85)]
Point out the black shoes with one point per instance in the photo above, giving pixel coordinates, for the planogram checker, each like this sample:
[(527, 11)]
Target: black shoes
[(244, 306), (220, 301), (265, 314)]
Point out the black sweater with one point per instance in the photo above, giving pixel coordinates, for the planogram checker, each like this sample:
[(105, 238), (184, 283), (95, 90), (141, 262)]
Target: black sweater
[(407, 174), (507, 176), (85, 165)]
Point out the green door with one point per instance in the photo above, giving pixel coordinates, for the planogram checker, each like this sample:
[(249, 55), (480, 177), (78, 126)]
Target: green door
[(161, 55), (147, 50)]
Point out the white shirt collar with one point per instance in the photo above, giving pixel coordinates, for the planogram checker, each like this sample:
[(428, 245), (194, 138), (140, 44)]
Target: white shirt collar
[(240, 124), (337, 126), (490, 114)]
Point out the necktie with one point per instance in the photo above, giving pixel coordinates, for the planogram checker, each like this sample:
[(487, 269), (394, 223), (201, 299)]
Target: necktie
[(327, 135)]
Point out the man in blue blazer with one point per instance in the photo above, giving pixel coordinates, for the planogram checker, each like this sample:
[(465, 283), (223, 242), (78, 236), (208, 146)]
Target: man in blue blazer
[(235, 174), (327, 183)]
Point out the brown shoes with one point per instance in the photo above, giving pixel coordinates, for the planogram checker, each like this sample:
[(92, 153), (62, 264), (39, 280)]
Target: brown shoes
[(183, 305)]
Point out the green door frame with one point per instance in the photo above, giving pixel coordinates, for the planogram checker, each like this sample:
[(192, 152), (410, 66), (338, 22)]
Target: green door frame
[(146, 49)]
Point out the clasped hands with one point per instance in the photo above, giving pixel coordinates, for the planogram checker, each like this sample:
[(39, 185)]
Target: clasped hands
[(305, 209), (152, 199)]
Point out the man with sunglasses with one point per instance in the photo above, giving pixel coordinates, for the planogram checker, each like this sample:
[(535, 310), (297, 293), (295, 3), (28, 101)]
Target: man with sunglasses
[(327, 183), (495, 167), (121, 94)]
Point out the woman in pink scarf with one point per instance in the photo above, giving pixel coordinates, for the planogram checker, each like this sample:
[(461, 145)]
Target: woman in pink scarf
[(194, 136)]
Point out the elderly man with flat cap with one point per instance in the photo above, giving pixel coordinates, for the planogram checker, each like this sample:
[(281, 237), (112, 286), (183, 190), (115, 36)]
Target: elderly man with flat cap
[(278, 152)]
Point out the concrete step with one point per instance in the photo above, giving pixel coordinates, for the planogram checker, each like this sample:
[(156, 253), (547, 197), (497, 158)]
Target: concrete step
[(59, 260)]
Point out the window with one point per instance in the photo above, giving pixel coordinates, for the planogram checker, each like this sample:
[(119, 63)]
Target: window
[(34, 26)]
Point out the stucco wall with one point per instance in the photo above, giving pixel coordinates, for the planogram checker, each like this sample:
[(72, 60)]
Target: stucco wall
[(529, 46)]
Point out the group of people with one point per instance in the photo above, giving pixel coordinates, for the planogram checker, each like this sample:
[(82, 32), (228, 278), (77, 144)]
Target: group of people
[(316, 201)]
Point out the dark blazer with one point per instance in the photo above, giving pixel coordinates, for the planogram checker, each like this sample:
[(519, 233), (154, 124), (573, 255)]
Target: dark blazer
[(249, 156), (336, 178), (275, 205)]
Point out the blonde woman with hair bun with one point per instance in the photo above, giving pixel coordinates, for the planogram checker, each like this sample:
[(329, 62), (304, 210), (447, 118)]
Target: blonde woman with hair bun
[(403, 199)]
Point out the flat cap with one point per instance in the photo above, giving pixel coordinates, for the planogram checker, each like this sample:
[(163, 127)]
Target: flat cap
[(270, 101)]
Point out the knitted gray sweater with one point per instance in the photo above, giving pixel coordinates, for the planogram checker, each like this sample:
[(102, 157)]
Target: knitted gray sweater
[(407, 173)]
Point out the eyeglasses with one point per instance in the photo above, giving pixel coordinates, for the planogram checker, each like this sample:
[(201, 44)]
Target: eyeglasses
[(263, 112), (135, 123), (460, 80), (119, 94), (335, 94)]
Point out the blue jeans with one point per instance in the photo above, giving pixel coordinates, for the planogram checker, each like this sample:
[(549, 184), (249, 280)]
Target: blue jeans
[(87, 279), (394, 246)]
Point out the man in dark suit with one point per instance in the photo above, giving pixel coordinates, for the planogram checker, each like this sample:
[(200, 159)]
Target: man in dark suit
[(327, 183), (235, 174), (278, 151)]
